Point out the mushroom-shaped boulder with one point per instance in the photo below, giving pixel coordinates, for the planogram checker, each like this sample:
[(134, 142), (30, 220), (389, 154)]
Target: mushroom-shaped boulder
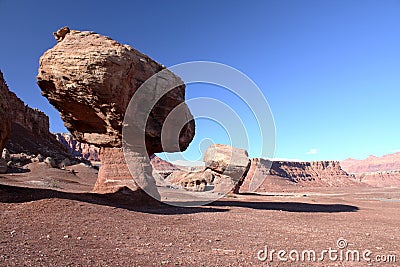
[(91, 79)]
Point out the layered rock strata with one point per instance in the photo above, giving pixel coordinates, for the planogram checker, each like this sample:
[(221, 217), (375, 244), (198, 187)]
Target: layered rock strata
[(91, 79)]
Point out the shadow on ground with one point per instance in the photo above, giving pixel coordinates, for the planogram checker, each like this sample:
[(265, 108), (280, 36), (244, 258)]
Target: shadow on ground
[(288, 206), (124, 198), (139, 201)]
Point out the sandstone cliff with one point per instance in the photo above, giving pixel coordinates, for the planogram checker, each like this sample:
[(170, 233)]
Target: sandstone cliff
[(78, 149), (4, 113), (267, 176), (30, 130)]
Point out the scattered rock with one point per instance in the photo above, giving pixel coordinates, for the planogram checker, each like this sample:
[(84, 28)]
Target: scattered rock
[(40, 158), (191, 181), (50, 162), (64, 163), (6, 155)]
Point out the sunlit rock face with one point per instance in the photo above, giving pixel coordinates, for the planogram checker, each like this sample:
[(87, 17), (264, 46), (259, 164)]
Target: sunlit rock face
[(90, 79)]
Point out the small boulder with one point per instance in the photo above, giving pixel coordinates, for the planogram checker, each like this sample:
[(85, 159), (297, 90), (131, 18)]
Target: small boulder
[(227, 160), (40, 158), (6, 155), (64, 163), (50, 162)]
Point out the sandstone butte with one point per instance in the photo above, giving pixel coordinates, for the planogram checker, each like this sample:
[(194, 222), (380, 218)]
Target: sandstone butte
[(90, 79)]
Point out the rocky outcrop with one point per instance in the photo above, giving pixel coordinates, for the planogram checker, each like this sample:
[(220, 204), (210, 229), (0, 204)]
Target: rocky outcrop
[(306, 171), (230, 164), (29, 132), (5, 128), (390, 162), (191, 181), (162, 167), (91, 79), (78, 149), (266, 176), (226, 160), (225, 167)]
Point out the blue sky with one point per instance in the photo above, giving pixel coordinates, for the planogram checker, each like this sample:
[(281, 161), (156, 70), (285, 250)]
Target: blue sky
[(329, 69)]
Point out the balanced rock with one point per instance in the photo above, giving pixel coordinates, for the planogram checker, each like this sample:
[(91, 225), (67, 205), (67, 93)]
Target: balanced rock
[(91, 79)]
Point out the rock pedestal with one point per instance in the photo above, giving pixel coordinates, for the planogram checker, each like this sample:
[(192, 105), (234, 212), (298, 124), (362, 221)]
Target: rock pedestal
[(91, 80), (116, 173)]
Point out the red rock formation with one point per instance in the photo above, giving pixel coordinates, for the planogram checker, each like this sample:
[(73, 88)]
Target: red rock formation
[(78, 149), (114, 172), (390, 162), (91, 78), (230, 164), (5, 128), (225, 167), (306, 171), (267, 176), (162, 167), (30, 130)]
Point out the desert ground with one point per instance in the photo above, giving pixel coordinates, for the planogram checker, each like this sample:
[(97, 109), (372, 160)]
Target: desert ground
[(50, 218)]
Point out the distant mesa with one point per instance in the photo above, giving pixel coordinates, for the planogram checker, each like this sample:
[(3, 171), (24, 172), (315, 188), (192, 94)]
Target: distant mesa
[(376, 171), (90, 79), (390, 162)]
